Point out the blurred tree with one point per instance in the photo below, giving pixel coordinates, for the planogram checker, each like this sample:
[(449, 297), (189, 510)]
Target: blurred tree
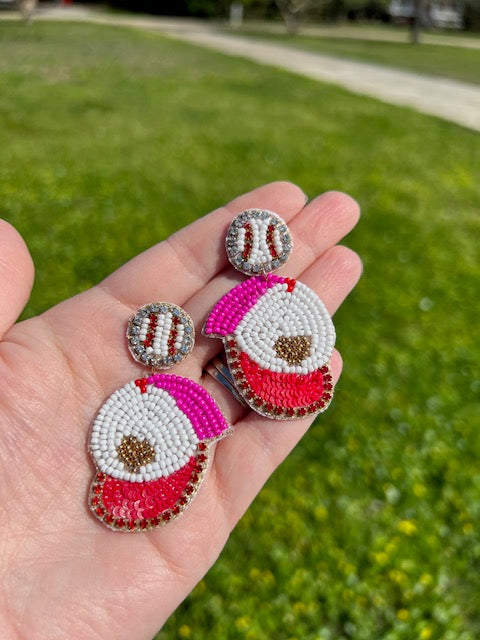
[(358, 10), (418, 20), (27, 8), (198, 8), (472, 15), (293, 10), (207, 8)]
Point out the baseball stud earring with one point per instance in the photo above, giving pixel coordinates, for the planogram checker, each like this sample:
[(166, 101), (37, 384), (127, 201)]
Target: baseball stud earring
[(151, 438), (277, 333)]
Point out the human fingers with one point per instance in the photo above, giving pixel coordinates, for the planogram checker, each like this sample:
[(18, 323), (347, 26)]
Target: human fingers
[(92, 324), (184, 263), (16, 275)]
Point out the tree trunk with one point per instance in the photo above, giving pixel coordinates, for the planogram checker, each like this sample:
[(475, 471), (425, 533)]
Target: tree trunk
[(292, 22), (290, 16), (27, 9), (416, 24)]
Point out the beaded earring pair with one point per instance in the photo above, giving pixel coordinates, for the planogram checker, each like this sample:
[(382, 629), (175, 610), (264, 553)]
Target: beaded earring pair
[(151, 438)]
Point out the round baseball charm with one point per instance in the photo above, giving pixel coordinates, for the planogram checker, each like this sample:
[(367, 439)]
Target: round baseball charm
[(258, 241), (160, 335)]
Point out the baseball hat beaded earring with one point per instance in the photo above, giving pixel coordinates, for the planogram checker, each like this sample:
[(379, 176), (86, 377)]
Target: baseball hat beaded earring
[(151, 438), (277, 334)]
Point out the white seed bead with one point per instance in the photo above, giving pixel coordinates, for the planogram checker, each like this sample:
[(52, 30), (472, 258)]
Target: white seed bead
[(280, 313), (152, 417)]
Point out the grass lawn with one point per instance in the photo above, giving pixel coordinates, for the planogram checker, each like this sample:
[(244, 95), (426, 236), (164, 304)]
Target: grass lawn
[(363, 30), (432, 59), (111, 139)]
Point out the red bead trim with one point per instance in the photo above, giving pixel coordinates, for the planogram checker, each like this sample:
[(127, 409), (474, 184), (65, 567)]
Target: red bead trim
[(272, 394), (197, 467)]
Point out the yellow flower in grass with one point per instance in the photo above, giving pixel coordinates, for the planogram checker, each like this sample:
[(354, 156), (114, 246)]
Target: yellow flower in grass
[(242, 623), (255, 573), (419, 490), (397, 576), (184, 631), (268, 577), (320, 513), (426, 633), (347, 568), (403, 615), (408, 527), (299, 608), (381, 557), (378, 601)]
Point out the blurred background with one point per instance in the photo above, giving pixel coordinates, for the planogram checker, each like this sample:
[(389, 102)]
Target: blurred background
[(113, 135)]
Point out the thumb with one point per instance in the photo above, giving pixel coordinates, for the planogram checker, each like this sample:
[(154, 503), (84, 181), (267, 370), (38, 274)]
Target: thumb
[(16, 275)]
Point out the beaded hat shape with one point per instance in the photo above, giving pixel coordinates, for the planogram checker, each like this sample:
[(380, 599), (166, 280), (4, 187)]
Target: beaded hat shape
[(277, 333), (150, 439)]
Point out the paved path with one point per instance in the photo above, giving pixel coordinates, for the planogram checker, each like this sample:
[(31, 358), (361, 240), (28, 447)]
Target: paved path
[(455, 101), (448, 99), (373, 34)]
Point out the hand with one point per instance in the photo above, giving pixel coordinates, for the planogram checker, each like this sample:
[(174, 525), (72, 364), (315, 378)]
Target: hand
[(63, 573)]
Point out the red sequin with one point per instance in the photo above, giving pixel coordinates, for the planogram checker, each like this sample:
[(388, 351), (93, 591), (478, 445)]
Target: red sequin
[(286, 390), (142, 504)]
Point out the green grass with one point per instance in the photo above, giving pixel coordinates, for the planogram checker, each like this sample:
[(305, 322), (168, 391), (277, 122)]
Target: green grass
[(457, 63), (362, 30), (111, 139)]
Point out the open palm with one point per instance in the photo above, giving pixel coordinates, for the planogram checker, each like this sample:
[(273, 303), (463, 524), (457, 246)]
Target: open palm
[(63, 573)]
